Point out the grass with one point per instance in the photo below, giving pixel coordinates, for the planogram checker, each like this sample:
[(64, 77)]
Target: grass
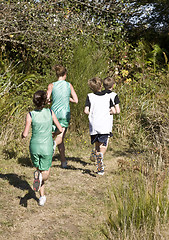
[(139, 206), (78, 200), (71, 201), (130, 201)]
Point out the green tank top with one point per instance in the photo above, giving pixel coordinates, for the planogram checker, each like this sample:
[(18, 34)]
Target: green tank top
[(60, 101), (41, 141)]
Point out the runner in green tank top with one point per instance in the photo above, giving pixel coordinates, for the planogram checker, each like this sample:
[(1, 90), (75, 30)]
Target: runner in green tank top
[(60, 102), (62, 93), (41, 149), (41, 140)]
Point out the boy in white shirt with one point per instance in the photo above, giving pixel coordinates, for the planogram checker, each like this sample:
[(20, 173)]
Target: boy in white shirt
[(98, 106), (108, 84)]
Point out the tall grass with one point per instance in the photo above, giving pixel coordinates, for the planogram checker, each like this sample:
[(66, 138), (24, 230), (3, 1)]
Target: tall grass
[(88, 60), (143, 122), (16, 90), (16, 93), (137, 208)]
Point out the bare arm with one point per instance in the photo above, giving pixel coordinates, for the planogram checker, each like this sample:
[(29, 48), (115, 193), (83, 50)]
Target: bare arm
[(27, 126), (49, 91), (73, 98), (112, 110), (86, 110), (117, 107), (56, 122)]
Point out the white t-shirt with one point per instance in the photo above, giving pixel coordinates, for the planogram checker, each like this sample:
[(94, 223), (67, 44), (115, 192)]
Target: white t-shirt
[(99, 116)]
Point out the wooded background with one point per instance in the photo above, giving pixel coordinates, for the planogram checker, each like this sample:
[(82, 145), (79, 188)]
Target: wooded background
[(124, 39)]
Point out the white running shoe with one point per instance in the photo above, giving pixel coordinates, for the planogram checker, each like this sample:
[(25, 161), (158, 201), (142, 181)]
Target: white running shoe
[(42, 200)]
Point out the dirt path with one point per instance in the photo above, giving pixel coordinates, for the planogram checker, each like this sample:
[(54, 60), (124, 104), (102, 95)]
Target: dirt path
[(75, 207)]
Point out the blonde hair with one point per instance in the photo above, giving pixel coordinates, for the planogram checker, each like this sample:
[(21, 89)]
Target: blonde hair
[(108, 82), (60, 70), (95, 84)]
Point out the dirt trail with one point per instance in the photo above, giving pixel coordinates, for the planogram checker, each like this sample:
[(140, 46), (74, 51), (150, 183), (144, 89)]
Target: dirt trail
[(75, 207)]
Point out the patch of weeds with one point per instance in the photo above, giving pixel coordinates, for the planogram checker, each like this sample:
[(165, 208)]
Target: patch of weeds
[(7, 223), (9, 154), (134, 206)]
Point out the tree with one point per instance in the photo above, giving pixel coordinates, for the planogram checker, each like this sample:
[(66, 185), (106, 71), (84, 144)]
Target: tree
[(147, 14)]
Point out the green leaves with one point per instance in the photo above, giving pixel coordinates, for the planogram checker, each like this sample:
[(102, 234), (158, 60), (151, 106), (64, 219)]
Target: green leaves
[(16, 90)]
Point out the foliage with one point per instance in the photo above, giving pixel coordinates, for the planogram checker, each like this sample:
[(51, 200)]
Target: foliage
[(38, 34), (142, 85), (143, 121), (16, 90), (139, 206), (89, 60), (90, 39), (45, 30), (143, 14)]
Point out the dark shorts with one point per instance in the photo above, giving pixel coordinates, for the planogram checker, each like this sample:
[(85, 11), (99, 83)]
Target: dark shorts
[(101, 138)]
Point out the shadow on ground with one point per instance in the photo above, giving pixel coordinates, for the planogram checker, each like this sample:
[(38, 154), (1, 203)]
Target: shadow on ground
[(71, 167), (9, 154), (73, 159), (21, 183), (25, 161), (126, 153)]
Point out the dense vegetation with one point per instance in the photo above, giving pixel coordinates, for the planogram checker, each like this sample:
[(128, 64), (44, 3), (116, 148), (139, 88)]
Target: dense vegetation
[(94, 38)]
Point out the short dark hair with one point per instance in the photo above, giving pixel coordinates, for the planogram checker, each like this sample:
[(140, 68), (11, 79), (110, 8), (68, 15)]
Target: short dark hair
[(40, 99), (60, 70)]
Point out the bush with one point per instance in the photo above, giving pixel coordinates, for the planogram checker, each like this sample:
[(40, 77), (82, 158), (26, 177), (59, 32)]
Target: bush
[(88, 60)]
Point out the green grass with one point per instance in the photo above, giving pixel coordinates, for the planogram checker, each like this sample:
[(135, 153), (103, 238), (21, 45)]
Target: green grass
[(124, 201), (137, 205), (136, 161)]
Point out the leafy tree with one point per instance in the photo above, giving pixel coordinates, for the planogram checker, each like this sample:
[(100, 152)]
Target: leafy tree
[(147, 14)]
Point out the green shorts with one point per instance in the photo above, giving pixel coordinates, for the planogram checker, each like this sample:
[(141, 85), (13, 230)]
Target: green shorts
[(54, 128), (42, 162), (63, 122)]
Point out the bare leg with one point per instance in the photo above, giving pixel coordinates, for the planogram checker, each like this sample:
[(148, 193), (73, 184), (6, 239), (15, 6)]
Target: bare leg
[(45, 176), (100, 151), (61, 147), (100, 148)]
